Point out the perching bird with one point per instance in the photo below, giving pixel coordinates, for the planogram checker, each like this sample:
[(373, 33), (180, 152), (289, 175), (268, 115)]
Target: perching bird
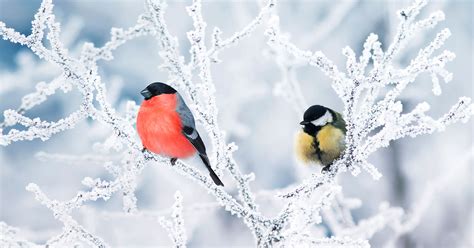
[(166, 126), (321, 139)]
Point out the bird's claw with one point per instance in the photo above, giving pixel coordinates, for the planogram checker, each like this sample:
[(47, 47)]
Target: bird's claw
[(326, 169), (173, 161)]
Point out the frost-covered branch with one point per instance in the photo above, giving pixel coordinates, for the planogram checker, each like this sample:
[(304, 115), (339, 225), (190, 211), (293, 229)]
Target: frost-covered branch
[(330, 22), (176, 229), (361, 111), (332, 242), (205, 106), (359, 91), (72, 231), (10, 237), (373, 121), (218, 44), (289, 89), (89, 54)]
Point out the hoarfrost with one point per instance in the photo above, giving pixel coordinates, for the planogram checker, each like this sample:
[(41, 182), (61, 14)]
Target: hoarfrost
[(374, 119)]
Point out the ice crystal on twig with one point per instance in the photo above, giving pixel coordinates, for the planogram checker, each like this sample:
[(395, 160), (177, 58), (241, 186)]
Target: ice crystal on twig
[(72, 231), (175, 227)]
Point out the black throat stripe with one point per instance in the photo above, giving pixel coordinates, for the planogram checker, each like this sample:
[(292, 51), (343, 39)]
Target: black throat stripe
[(317, 150)]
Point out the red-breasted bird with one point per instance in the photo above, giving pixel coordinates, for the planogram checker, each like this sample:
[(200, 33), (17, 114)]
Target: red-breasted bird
[(166, 126), (321, 139)]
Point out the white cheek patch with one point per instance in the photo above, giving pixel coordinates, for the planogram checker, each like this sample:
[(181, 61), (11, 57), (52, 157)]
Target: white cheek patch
[(323, 120)]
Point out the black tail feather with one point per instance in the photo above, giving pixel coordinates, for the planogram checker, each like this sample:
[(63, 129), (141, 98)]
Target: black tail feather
[(213, 175)]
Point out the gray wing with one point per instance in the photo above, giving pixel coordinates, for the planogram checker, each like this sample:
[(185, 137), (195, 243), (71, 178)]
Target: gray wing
[(189, 131), (189, 126), (187, 118)]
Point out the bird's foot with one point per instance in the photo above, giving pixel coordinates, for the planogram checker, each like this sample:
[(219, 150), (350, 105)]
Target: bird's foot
[(144, 149), (326, 169), (173, 161)]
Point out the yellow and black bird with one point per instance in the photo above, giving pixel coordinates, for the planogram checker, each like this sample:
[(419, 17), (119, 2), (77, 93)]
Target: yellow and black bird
[(321, 139)]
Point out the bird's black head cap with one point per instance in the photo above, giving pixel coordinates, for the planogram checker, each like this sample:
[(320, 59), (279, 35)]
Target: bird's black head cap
[(156, 89), (313, 113)]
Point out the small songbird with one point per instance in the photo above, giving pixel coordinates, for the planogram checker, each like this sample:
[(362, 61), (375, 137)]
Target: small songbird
[(321, 139), (166, 126)]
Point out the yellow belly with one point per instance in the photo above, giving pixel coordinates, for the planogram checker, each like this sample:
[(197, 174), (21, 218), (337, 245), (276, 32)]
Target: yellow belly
[(305, 150), (331, 144)]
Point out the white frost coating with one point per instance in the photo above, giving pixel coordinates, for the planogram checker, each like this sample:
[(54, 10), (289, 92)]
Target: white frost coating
[(338, 216), (359, 90), (175, 227), (10, 237), (332, 242), (218, 44), (204, 105), (82, 73), (372, 123), (72, 231), (366, 228)]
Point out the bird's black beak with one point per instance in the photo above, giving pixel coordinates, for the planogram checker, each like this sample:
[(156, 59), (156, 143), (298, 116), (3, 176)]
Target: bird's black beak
[(304, 122), (146, 93)]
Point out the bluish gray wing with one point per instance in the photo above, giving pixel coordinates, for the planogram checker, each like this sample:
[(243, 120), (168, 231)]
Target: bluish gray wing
[(185, 113), (189, 127)]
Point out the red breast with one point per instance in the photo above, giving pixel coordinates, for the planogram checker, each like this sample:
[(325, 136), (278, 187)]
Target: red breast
[(160, 129)]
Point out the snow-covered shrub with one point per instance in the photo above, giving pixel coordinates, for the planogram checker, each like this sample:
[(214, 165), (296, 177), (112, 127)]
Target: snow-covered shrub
[(369, 91)]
